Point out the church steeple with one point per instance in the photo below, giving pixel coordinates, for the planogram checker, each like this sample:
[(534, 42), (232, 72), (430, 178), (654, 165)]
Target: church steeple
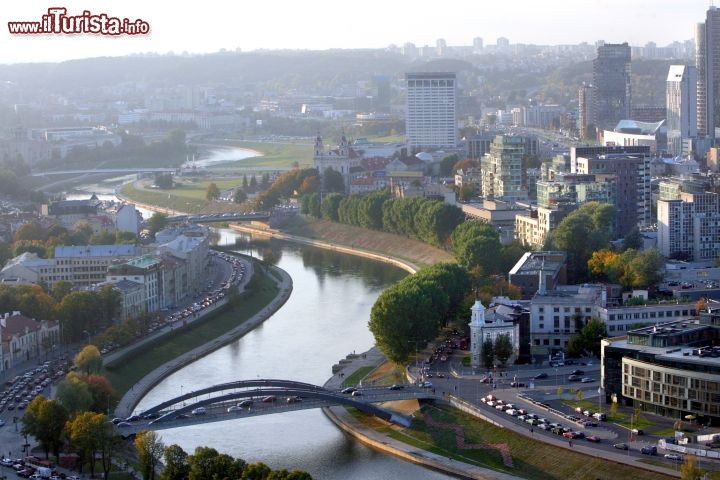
[(343, 145)]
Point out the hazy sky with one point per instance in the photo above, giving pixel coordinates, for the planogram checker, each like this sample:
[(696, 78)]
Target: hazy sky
[(211, 25)]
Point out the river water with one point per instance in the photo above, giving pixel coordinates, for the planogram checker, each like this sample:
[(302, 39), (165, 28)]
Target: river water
[(324, 320)]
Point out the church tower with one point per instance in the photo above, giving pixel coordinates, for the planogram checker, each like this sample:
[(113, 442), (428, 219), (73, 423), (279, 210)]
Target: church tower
[(318, 146), (477, 322)]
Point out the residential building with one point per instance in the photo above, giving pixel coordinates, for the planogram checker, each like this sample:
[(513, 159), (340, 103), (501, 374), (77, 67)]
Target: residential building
[(128, 219), (681, 102), (689, 227), (707, 61), (23, 338), (503, 169), (629, 168), (80, 265), (430, 114), (146, 270), (611, 79)]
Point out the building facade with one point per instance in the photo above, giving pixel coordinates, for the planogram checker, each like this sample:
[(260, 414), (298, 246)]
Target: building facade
[(611, 79), (430, 110), (681, 103), (503, 169), (707, 62), (689, 228), (25, 338)]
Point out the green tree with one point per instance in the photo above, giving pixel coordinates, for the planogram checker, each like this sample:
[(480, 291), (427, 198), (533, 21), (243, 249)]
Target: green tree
[(74, 394), (254, 471), (207, 464), (332, 181), (447, 164), (633, 240), (176, 464), (329, 207), (213, 192), (45, 420), (150, 449), (239, 196), (503, 348), (581, 233), (164, 180), (488, 353), (156, 222), (476, 243), (60, 289)]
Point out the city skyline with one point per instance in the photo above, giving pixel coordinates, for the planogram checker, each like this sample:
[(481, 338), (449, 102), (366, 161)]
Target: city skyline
[(321, 25)]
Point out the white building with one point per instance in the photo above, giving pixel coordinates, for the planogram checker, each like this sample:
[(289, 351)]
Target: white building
[(128, 219), (484, 328), (24, 339), (681, 103), (430, 114)]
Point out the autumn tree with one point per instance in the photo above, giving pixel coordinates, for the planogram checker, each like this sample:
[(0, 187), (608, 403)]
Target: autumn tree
[(150, 451), (91, 435), (45, 420), (88, 360)]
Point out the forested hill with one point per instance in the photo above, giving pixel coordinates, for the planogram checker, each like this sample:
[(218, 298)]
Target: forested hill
[(501, 81)]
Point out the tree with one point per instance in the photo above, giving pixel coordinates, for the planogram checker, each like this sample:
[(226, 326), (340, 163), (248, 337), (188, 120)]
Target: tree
[(150, 451), (74, 394), (213, 192), (156, 222), (446, 165), (503, 348), (239, 196), (60, 289), (176, 464), (102, 392), (477, 243), (207, 464), (332, 181), (88, 360), (45, 420), (690, 470), (90, 433), (329, 207), (164, 180), (488, 353)]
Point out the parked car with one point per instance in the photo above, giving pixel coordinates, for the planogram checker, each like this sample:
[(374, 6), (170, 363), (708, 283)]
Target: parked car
[(234, 409), (395, 387), (199, 411), (348, 390), (540, 375)]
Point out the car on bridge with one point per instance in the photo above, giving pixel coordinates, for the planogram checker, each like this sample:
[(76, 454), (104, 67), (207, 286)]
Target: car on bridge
[(199, 411)]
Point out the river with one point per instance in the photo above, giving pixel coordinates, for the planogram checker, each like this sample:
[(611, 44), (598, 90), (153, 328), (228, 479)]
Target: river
[(324, 320)]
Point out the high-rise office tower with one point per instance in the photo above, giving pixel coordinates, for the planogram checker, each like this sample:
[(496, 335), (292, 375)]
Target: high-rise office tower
[(430, 117), (681, 105), (707, 61), (611, 79)]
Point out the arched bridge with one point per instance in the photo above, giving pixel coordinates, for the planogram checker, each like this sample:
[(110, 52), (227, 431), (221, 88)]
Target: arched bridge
[(262, 397)]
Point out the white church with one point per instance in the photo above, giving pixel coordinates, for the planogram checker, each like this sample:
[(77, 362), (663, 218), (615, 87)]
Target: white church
[(484, 324)]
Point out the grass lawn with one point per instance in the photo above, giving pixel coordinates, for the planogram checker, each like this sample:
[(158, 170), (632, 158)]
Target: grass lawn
[(480, 443), (261, 290), (276, 154)]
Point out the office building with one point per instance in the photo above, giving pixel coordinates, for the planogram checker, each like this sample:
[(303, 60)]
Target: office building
[(430, 114), (611, 79), (681, 104), (586, 111)]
